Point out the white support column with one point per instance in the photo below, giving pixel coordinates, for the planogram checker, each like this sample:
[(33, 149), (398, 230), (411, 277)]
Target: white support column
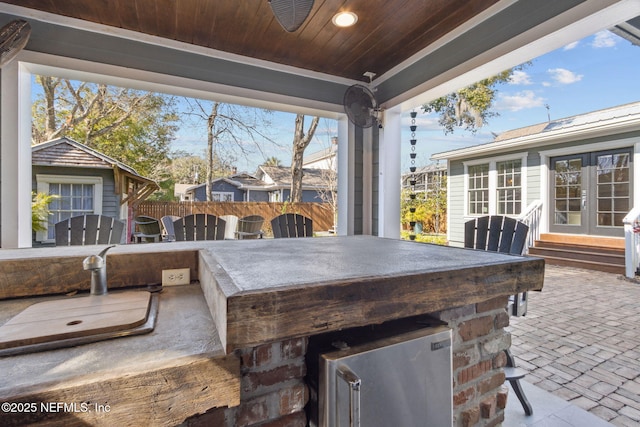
[(367, 182), (346, 185), (15, 152), (389, 182)]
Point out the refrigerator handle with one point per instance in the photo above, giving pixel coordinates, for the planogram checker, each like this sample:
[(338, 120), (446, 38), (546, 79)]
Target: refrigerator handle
[(354, 383)]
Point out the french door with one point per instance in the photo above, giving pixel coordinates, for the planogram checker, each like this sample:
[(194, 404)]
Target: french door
[(591, 192)]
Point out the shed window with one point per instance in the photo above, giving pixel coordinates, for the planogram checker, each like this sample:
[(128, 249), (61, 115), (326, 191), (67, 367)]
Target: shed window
[(75, 195)]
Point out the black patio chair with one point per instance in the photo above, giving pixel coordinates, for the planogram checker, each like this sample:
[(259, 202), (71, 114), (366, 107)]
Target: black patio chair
[(291, 225), (89, 230), (199, 227), (498, 233)]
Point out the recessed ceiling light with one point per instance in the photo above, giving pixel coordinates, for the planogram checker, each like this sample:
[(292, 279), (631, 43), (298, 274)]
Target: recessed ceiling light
[(344, 19)]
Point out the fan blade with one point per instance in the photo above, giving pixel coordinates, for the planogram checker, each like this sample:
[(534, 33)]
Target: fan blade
[(13, 38), (291, 13)]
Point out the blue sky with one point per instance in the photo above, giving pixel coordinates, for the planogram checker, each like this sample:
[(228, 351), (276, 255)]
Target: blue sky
[(597, 72)]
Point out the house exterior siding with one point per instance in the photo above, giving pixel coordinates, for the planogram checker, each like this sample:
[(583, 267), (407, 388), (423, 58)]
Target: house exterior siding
[(307, 196), (455, 194), (258, 196), (223, 187)]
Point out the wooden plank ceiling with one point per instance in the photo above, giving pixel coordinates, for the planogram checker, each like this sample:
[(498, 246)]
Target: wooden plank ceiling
[(387, 32)]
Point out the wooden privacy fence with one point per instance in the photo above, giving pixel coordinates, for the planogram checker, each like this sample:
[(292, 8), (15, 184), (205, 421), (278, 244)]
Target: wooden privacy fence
[(320, 213)]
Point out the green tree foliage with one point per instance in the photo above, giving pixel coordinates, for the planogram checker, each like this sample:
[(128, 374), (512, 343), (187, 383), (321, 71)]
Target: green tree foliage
[(431, 209), (40, 210), (469, 108), (272, 161), (131, 126), (189, 169)]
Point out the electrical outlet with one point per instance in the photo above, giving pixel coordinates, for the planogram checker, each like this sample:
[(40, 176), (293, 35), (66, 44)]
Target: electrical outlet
[(176, 276)]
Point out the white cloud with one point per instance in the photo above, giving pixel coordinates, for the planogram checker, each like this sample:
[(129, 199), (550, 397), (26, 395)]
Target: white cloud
[(603, 39), (520, 78), (519, 101), (571, 46), (564, 76)]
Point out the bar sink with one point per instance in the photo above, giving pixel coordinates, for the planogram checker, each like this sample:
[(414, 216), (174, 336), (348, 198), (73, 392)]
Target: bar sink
[(79, 320)]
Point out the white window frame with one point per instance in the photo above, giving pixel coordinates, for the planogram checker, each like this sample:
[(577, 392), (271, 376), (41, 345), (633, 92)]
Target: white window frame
[(468, 188), (493, 182), (43, 181), (222, 196)]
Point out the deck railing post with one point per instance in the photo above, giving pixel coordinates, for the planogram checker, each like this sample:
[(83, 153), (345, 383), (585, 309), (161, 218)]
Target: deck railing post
[(531, 217), (631, 242)]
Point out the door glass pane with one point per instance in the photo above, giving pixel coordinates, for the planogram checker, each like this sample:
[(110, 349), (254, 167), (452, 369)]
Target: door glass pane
[(622, 205), (613, 189), (568, 192), (605, 205)]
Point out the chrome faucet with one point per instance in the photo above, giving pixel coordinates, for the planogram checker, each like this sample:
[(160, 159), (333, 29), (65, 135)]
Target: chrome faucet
[(97, 264)]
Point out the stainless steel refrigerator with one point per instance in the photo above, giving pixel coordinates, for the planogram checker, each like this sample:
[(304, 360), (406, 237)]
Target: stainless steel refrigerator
[(403, 380)]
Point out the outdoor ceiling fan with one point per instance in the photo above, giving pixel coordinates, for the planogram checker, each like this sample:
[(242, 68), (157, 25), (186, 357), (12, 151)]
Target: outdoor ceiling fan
[(361, 107), (291, 13), (13, 38)]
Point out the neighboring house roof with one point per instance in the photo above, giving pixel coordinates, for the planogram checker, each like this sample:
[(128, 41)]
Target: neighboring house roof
[(318, 155), (244, 180), (271, 178), (180, 189), (623, 118), (281, 176), (70, 153), (322, 159), (65, 152)]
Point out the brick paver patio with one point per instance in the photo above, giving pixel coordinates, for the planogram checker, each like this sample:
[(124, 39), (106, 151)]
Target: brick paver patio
[(580, 340)]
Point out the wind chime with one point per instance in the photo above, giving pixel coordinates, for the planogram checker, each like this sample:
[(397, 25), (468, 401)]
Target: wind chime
[(412, 178)]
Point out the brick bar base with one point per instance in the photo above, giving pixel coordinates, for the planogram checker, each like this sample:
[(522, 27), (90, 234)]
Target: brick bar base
[(274, 393)]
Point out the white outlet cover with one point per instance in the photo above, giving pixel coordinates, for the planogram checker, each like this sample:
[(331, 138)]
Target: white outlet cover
[(176, 276)]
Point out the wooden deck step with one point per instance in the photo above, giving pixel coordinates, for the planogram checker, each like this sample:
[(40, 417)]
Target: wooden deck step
[(579, 239), (589, 252)]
